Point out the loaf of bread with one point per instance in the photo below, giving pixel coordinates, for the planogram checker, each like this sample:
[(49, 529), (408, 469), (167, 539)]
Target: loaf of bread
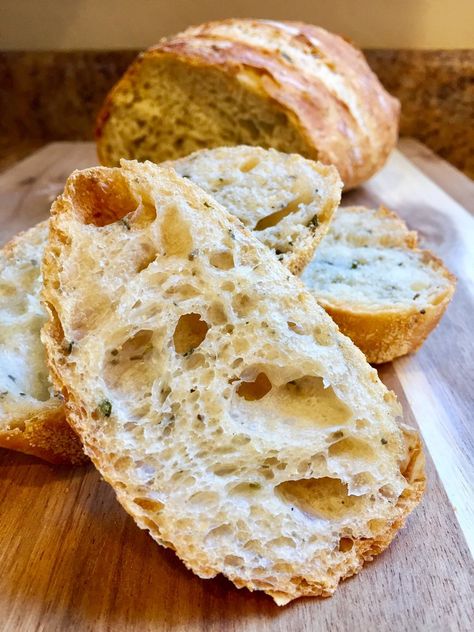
[(32, 416), (384, 292), (287, 85), (286, 200), (232, 418)]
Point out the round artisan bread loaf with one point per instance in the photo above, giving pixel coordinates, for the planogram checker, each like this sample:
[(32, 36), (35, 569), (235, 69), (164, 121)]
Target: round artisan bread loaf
[(286, 85)]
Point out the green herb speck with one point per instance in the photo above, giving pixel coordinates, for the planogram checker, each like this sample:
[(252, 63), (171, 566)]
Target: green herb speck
[(383, 441), (354, 265), (126, 223), (105, 408)]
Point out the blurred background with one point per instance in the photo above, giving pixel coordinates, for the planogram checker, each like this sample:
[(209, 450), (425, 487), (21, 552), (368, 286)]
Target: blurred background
[(58, 59)]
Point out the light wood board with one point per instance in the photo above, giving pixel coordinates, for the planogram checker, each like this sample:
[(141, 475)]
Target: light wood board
[(71, 559)]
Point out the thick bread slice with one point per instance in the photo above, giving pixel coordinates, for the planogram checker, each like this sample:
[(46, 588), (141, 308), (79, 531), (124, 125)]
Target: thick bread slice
[(32, 418), (383, 292), (232, 418), (287, 85), (286, 200)]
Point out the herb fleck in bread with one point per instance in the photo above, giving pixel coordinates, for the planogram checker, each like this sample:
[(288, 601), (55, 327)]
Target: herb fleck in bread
[(287, 85), (223, 405), (32, 419), (382, 290), (286, 200)]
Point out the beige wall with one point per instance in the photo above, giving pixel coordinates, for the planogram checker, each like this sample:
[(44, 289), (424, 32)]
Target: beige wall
[(98, 24)]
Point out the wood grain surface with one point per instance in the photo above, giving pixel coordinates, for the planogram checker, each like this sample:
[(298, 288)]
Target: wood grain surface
[(71, 558)]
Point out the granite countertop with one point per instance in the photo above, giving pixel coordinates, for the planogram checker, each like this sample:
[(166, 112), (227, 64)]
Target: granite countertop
[(48, 96)]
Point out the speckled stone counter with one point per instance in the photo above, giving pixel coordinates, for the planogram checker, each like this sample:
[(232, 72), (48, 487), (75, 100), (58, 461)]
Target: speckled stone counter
[(55, 96)]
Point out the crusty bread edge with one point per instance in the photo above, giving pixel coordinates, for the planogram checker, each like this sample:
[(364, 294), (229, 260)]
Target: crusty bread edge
[(45, 434), (388, 334)]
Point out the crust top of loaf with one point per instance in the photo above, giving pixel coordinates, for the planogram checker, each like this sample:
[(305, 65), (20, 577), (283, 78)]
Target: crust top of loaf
[(320, 82)]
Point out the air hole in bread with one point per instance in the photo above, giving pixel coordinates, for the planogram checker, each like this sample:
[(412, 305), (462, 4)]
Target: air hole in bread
[(296, 328), (388, 492), (134, 349), (306, 399), (175, 233), (345, 544), (276, 217), (325, 497), (222, 260), (242, 304), (351, 448), (189, 333), (233, 560), (249, 164), (224, 470), (222, 531), (148, 504), (204, 498), (219, 317), (252, 391), (102, 200), (145, 257), (245, 490), (183, 291)]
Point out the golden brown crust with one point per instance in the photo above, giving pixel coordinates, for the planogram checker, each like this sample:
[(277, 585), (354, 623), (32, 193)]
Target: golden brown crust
[(341, 111), (384, 335), (46, 435)]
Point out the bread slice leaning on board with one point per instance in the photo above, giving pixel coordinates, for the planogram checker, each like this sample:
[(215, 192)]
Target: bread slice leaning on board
[(287, 85), (32, 418), (232, 418), (384, 292), (286, 200)]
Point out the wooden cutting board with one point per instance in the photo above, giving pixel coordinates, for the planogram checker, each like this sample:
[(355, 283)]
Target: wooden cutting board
[(71, 559)]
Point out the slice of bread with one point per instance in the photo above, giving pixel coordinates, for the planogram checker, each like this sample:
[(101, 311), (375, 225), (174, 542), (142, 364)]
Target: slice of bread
[(32, 418), (232, 418), (287, 85), (382, 290), (260, 187), (286, 200)]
